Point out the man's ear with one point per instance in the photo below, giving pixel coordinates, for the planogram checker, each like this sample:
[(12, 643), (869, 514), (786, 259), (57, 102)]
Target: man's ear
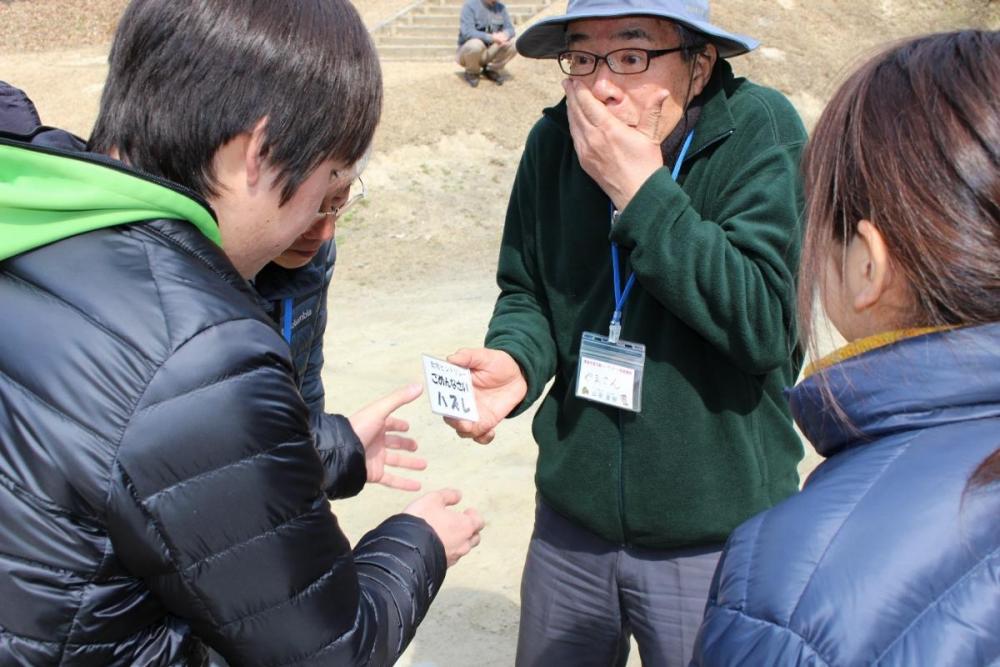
[(255, 154), (704, 64), (870, 264)]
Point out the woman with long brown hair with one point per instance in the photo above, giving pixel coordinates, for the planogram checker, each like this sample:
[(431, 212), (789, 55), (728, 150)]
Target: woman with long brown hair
[(891, 553)]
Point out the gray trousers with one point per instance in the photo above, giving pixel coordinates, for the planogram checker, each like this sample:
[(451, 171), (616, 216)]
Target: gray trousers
[(582, 597), (474, 55)]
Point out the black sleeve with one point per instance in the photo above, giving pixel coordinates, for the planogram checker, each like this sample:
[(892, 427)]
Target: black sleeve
[(342, 454)]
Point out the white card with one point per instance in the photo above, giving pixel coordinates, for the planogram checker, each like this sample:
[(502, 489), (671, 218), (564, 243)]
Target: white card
[(606, 383), (449, 388)]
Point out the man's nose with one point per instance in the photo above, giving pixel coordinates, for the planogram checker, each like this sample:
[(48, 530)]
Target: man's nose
[(322, 229), (605, 86)]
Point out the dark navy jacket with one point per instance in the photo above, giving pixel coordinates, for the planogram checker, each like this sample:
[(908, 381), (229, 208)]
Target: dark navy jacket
[(297, 303), (884, 557), (296, 300), (19, 116)]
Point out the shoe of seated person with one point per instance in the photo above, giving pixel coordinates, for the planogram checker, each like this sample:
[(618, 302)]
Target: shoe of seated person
[(496, 76), (471, 79)]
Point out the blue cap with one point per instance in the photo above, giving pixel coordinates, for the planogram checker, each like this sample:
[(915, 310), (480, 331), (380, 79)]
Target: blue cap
[(547, 38)]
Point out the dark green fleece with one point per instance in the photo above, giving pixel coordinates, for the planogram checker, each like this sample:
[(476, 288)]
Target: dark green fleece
[(714, 257)]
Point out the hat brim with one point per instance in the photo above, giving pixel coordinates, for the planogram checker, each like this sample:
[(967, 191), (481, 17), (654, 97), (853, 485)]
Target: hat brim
[(547, 38)]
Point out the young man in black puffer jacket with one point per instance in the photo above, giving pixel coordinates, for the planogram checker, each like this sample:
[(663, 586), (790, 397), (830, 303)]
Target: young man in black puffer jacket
[(161, 489), (293, 288)]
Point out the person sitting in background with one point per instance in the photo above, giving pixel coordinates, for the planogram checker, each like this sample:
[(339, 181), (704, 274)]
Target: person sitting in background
[(889, 555), (485, 41), (159, 479)]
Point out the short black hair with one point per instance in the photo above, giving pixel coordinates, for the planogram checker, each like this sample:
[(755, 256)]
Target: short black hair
[(694, 42), (187, 76)]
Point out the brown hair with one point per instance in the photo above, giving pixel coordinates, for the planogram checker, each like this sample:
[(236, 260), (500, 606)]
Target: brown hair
[(911, 142)]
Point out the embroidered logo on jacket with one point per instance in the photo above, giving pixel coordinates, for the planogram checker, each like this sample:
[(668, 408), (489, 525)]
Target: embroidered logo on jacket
[(303, 316)]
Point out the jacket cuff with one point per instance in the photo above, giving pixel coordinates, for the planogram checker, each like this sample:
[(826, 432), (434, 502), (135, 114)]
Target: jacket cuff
[(409, 540), (659, 200), (343, 456)]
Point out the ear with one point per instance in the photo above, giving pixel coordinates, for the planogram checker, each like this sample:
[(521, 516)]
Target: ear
[(704, 64), (868, 261), (254, 154)]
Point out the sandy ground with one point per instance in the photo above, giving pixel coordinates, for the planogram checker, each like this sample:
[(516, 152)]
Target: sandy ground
[(415, 273)]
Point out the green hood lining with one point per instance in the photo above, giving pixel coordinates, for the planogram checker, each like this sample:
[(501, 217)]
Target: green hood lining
[(47, 196)]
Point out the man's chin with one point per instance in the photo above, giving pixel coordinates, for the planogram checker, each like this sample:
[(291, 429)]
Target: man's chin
[(293, 259)]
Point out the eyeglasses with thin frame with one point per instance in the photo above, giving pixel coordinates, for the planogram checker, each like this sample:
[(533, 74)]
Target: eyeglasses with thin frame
[(357, 191), (620, 61)]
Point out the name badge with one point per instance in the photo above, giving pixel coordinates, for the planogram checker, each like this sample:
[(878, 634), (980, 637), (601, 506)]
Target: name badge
[(449, 388), (610, 373)]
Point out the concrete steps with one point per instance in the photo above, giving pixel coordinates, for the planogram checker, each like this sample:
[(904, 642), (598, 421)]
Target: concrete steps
[(428, 29)]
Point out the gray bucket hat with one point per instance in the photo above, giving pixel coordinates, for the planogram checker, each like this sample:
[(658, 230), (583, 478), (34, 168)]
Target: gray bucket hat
[(547, 38)]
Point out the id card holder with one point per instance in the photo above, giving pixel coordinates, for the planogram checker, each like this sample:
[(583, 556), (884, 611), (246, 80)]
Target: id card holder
[(610, 373)]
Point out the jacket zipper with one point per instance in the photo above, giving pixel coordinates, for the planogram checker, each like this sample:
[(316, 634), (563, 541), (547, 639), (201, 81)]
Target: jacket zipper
[(708, 144), (621, 479)]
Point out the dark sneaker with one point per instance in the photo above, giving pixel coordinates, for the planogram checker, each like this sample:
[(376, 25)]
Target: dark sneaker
[(496, 77), (471, 79)]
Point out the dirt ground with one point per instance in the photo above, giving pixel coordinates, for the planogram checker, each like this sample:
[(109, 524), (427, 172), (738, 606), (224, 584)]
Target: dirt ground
[(415, 269)]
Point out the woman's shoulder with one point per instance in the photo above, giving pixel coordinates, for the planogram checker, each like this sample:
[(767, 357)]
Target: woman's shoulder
[(883, 539)]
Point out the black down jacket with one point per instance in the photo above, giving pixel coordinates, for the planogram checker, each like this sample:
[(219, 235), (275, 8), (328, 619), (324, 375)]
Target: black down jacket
[(159, 487)]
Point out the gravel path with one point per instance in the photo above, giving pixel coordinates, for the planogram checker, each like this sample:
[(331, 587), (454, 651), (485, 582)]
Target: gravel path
[(42, 25)]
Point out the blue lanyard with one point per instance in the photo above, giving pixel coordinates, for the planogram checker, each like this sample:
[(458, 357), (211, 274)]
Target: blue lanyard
[(288, 310), (615, 329)]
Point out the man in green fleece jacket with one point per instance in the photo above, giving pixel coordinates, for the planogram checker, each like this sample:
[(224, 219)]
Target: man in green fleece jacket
[(663, 163)]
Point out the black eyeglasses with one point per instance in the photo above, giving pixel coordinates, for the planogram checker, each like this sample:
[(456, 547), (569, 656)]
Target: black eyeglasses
[(620, 61)]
